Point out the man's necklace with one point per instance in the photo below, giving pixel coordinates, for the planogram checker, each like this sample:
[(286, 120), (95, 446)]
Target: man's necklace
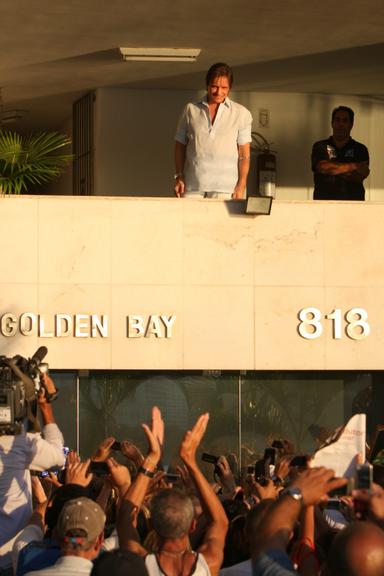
[(174, 554)]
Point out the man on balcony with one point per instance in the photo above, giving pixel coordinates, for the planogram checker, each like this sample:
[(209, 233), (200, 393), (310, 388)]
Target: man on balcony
[(212, 142), (339, 163)]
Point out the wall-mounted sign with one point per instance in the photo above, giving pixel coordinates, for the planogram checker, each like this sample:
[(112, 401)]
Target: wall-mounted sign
[(355, 323), (84, 325)]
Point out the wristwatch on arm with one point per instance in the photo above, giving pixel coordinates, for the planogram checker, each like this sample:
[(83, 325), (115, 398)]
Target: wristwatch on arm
[(294, 493)]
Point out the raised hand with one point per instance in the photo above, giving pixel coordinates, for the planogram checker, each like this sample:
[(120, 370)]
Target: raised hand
[(131, 451), (226, 476), (192, 439), (268, 491), (103, 450), (76, 472), (155, 436), (314, 483), (120, 475)]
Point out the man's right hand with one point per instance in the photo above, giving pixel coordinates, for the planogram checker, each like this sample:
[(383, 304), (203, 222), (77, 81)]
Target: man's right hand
[(179, 187), (374, 501), (315, 483)]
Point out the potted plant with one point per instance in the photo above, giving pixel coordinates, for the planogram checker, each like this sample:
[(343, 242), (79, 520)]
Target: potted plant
[(31, 160)]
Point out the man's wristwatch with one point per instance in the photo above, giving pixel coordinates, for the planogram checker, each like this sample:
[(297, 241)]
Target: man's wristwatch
[(295, 493), (177, 176)]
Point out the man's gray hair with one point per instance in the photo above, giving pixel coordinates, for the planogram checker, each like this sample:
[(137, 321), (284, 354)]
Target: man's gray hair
[(172, 513)]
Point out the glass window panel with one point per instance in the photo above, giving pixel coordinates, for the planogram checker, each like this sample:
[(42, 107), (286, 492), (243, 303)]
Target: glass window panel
[(116, 403), (304, 407), (301, 406)]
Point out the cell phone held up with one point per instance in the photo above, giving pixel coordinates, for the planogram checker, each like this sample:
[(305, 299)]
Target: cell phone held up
[(270, 456), (211, 459), (363, 481), (262, 472), (364, 477), (299, 461), (99, 468)]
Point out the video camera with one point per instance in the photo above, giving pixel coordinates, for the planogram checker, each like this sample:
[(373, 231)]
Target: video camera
[(21, 380)]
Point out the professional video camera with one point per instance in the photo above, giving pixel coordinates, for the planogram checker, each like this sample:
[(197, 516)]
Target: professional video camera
[(21, 380)]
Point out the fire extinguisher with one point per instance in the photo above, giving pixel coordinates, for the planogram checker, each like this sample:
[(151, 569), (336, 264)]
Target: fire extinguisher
[(265, 166)]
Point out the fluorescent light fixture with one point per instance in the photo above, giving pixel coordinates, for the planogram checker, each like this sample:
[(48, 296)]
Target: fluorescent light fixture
[(7, 116), (160, 54)]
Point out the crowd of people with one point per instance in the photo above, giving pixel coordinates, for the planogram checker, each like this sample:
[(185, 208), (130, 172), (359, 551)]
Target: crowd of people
[(120, 513)]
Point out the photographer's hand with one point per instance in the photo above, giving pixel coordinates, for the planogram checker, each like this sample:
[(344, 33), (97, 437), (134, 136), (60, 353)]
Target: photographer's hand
[(119, 475), (131, 451), (266, 492), (53, 480), (49, 385), (103, 450), (374, 500), (45, 407), (40, 503), (226, 476), (282, 467), (76, 472)]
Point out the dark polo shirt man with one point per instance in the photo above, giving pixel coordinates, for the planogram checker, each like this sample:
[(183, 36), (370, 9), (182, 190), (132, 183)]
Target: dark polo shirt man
[(339, 163)]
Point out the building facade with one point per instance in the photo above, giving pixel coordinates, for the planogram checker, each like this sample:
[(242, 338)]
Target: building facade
[(274, 324)]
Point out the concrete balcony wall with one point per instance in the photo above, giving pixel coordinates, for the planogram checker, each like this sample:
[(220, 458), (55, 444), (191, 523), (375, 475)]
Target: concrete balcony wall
[(235, 283)]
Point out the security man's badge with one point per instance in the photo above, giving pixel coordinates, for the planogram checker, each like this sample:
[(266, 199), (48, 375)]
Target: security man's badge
[(331, 151)]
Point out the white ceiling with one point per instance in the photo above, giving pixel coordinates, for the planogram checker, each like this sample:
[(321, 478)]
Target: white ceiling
[(52, 51)]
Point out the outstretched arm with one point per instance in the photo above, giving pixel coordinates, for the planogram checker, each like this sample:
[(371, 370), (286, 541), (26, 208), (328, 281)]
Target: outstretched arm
[(133, 495), (44, 405), (214, 539), (47, 452), (280, 521)]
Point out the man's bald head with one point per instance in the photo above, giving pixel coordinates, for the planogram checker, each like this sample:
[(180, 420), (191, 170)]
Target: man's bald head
[(357, 551)]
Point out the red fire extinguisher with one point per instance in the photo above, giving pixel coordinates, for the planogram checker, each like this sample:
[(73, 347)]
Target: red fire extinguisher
[(265, 166)]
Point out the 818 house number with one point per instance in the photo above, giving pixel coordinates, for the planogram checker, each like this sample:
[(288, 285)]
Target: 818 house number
[(355, 323)]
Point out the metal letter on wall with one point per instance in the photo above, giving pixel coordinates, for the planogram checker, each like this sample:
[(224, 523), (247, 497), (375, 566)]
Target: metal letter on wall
[(8, 325)]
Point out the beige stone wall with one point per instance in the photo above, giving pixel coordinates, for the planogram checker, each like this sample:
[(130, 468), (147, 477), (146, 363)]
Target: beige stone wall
[(235, 283)]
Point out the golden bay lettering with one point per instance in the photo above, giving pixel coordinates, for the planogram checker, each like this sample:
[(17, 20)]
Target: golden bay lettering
[(84, 325)]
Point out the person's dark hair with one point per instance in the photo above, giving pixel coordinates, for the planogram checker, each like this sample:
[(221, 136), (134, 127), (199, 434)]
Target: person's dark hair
[(119, 563), (172, 513), (61, 497), (234, 508), (236, 545), (217, 70), (346, 109)]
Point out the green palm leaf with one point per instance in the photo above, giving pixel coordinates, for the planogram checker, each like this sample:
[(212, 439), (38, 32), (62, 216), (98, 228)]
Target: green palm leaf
[(31, 160)]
